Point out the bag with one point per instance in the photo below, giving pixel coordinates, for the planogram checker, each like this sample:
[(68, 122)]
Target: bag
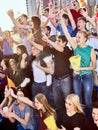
[(75, 62), (50, 123)]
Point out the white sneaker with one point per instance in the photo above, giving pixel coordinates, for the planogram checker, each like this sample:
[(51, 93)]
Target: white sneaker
[(49, 80), (25, 82)]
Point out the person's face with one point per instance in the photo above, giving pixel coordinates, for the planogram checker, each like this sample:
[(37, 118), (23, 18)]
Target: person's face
[(18, 51), (65, 21), (81, 25), (23, 19), (13, 66), (61, 43), (19, 94), (35, 51), (46, 13), (74, 3), (38, 105), (69, 105), (31, 24), (95, 115), (46, 31), (7, 34), (80, 38)]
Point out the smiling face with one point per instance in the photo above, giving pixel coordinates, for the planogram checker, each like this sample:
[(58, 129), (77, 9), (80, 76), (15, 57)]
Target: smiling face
[(81, 38), (81, 25), (95, 115), (75, 4)]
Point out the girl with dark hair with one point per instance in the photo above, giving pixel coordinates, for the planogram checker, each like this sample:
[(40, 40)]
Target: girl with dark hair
[(22, 113), (35, 25)]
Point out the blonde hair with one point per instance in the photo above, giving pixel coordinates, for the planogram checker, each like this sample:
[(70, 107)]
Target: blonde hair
[(76, 102), (43, 100)]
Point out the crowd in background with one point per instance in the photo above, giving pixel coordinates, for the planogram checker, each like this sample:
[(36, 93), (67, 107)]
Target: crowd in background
[(37, 79)]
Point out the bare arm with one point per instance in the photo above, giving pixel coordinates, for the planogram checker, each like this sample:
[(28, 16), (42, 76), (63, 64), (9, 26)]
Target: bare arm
[(15, 22), (36, 45), (3, 102), (38, 8), (91, 20), (23, 62), (73, 24), (12, 117), (49, 69), (93, 61), (23, 99), (54, 45), (71, 41)]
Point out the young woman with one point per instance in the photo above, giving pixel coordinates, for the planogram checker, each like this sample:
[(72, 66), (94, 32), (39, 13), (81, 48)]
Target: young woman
[(44, 110), (35, 25), (15, 72), (73, 117), (82, 79), (22, 113)]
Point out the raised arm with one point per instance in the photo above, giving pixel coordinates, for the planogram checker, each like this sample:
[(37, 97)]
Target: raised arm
[(36, 45), (53, 44), (38, 8), (69, 38), (23, 99), (73, 24), (49, 67), (15, 22), (91, 20)]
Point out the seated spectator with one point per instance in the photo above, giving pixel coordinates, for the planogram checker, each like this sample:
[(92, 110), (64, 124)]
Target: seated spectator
[(22, 113), (73, 118), (15, 72)]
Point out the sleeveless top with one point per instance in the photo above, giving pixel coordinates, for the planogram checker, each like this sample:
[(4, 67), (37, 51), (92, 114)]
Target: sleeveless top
[(85, 54)]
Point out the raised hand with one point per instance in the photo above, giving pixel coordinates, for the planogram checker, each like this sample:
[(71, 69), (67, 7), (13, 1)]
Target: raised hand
[(24, 56), (45, 38), (10, 13)]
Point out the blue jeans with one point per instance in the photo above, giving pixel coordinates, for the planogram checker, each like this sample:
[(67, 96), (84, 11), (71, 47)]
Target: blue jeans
[(61, 88), (39, 88), (84, 84)]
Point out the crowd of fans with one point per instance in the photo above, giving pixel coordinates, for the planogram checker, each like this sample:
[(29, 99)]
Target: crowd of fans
[(39, 87)]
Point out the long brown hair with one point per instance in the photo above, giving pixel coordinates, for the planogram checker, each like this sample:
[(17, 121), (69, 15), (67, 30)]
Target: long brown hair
[(43, 100), (37, 30)]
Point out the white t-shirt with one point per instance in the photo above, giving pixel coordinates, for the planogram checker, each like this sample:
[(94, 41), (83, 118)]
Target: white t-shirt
[(40, 75)]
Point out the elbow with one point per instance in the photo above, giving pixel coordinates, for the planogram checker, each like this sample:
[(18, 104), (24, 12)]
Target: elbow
[(51, 71), (94, 67), (25, 123)]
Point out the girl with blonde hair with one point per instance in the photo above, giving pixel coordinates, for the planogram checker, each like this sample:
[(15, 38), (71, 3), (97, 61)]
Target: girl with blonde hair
[(73, 118)]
